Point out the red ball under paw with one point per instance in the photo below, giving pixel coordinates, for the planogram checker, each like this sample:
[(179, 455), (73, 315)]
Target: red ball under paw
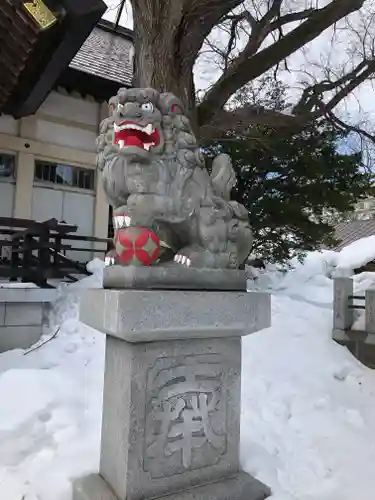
[(137, 246)]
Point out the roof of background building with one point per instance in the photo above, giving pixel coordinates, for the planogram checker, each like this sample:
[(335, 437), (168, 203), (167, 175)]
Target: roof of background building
[(348, 232), (107, 54)]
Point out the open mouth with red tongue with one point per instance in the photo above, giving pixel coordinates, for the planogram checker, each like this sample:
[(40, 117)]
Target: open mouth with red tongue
[(129, 134)]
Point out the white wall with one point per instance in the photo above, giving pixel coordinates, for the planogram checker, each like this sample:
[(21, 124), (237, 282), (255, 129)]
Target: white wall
[(8, 125), (62, 135), (64, 130), (70, 108), (73, 207), (68, 121)]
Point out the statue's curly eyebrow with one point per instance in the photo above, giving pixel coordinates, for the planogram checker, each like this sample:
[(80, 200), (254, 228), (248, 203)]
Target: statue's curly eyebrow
[(138, 95)]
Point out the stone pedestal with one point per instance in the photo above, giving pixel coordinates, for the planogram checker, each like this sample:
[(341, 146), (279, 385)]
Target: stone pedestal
[(171, 409)]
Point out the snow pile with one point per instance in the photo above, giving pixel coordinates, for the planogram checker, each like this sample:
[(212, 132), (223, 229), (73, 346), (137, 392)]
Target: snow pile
[(308, 410), (308, 407), (357, 254), (96, 267), (352, 257), (50, 410), (326, 263)]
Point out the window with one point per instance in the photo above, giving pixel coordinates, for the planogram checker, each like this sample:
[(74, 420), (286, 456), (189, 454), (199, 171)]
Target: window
[(7, 166), (66, 175)]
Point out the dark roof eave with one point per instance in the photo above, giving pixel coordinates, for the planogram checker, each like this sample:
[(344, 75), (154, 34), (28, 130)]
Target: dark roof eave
[(81, 19), (95, 86)]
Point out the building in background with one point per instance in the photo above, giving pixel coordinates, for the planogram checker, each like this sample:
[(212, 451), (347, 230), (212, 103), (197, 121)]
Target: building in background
[(351, 231), (48, 159), (365, 209)]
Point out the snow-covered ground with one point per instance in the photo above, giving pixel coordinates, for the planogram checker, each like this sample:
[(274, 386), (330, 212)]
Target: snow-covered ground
[(308, 407)]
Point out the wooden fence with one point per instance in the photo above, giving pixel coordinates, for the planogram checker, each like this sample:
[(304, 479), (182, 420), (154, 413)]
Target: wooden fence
[(35, 251)]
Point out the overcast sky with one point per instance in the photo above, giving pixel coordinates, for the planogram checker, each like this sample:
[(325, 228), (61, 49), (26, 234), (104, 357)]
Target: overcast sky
[(126, 18), (360, 105)]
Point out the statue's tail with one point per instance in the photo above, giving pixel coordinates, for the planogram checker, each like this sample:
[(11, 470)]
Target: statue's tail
[(223, 177)]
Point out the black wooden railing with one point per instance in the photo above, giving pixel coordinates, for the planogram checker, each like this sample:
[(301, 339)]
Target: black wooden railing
[(35, 252)]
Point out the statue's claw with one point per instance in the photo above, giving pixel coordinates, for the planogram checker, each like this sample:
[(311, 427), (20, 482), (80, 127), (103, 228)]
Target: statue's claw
[(182, 259), (109, 261), (199, 257)]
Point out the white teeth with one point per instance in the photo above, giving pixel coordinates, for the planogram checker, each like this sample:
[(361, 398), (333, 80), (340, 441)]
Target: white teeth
[(127, 220), (149, 129), (147, 146)]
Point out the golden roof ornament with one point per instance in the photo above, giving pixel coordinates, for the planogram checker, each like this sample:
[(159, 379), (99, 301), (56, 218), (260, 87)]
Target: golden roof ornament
[(41, 14)]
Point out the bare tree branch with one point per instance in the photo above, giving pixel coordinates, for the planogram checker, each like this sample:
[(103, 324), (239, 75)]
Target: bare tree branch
[(249, 65), (348, 82), (352, 85), (350, 128), (235, 20), (244, 15), (291, 18), (169, 34), (242, 119), (198, 19), (168, 37), (312, 99), (274, 11)]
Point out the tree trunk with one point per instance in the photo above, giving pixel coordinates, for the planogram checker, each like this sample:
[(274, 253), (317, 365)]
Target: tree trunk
[(158, 61)]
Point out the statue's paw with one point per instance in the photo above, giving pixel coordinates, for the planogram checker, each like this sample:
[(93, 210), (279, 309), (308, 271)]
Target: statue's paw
[(195, 256), (182, 260), (199, 257), (109, 261), (110, 258)]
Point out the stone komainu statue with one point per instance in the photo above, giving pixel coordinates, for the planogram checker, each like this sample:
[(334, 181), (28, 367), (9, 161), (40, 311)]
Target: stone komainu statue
[(154, 176)]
